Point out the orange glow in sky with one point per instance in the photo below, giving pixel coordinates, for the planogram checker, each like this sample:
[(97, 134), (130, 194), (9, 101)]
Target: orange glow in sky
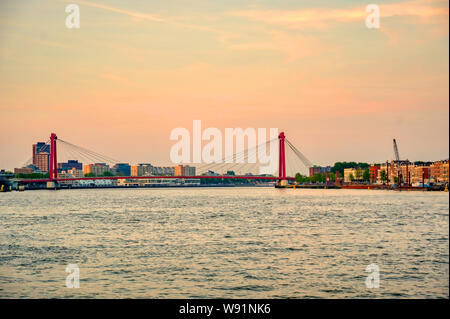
[(135, 70)]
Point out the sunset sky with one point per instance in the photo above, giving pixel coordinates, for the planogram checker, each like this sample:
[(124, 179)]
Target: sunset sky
[(137, 69)]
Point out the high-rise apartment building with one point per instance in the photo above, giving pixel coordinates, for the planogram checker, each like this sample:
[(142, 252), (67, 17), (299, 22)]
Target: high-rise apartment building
[(42, 161), (41, 156)]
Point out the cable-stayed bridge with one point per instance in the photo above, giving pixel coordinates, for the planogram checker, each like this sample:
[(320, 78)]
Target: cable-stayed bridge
[(242, 164)]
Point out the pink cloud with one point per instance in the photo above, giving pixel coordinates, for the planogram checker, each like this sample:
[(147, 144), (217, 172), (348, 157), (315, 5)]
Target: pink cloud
[(425, 10), (132, 14), (293, 47)]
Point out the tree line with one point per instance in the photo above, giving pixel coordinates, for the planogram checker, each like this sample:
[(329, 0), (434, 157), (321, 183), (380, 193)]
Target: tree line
[(362, 173)]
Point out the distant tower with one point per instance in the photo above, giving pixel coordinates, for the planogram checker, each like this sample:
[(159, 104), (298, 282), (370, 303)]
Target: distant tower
[(41, 156)]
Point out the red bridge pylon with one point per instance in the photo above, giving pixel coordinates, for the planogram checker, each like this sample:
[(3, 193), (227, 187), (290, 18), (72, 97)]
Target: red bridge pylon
[(53, 172)]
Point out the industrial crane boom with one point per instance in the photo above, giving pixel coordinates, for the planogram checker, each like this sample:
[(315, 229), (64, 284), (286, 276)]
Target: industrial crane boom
[(397, 156)]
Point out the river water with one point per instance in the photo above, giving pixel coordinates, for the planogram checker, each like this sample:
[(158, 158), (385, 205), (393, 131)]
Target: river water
[(224, 243)]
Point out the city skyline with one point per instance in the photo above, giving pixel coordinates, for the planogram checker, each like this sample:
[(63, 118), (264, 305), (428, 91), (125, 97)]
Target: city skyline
[(134, 71), (102, 164), (147, 161)]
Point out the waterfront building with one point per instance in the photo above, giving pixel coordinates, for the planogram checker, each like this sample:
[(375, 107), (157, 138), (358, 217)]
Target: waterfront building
[(386, 167), (373, 171), (163, 171), (355, 173), (419, 173), (169, 170), (123, 169), (70, 164), (189, 171), (445, 172), (319, 170), (439, 171), (23, 170), (64, 174), (27, 170), (396, 169), (76, 173), (410, 172), (155, 182), (97, 169), (184, 170), (41, 161), (179, 170), (71, 173), (34, 168), (349, 174), (405, 171), (142, 169)]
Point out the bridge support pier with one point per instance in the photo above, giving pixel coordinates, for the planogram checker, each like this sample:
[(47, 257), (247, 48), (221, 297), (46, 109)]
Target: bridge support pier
[(283, 182), (51, 185)]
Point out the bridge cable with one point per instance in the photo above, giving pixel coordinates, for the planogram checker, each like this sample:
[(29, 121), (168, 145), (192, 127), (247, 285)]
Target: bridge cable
[(92, 153), (302, 157), (233, 158)]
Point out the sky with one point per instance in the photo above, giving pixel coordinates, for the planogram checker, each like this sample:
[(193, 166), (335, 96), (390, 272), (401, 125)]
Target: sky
[(135, 70)]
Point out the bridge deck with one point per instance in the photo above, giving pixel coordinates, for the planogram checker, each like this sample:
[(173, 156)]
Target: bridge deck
[(154, 177)]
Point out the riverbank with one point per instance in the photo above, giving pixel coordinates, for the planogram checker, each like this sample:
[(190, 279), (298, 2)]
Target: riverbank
[(366, 187), (300, 186)]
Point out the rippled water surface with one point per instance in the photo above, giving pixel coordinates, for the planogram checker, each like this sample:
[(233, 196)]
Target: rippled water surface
[(224, 242)]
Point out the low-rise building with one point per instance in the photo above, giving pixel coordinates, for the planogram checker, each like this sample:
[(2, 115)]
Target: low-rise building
[(419, 174), (395, 170), (184, 170), (413, 173), (142, 169), (163, 171), (319, 170), (155, 182), (439, 171), (353, 174), (373, 171), (123, 169), (23, 170), (76, 173), (69, 165), (349, 174), (71, 173), (97, 169)]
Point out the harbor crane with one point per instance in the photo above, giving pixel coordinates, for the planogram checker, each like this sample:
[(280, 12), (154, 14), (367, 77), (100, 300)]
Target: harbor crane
[(397, 159), (399, 163), (397, 155)]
